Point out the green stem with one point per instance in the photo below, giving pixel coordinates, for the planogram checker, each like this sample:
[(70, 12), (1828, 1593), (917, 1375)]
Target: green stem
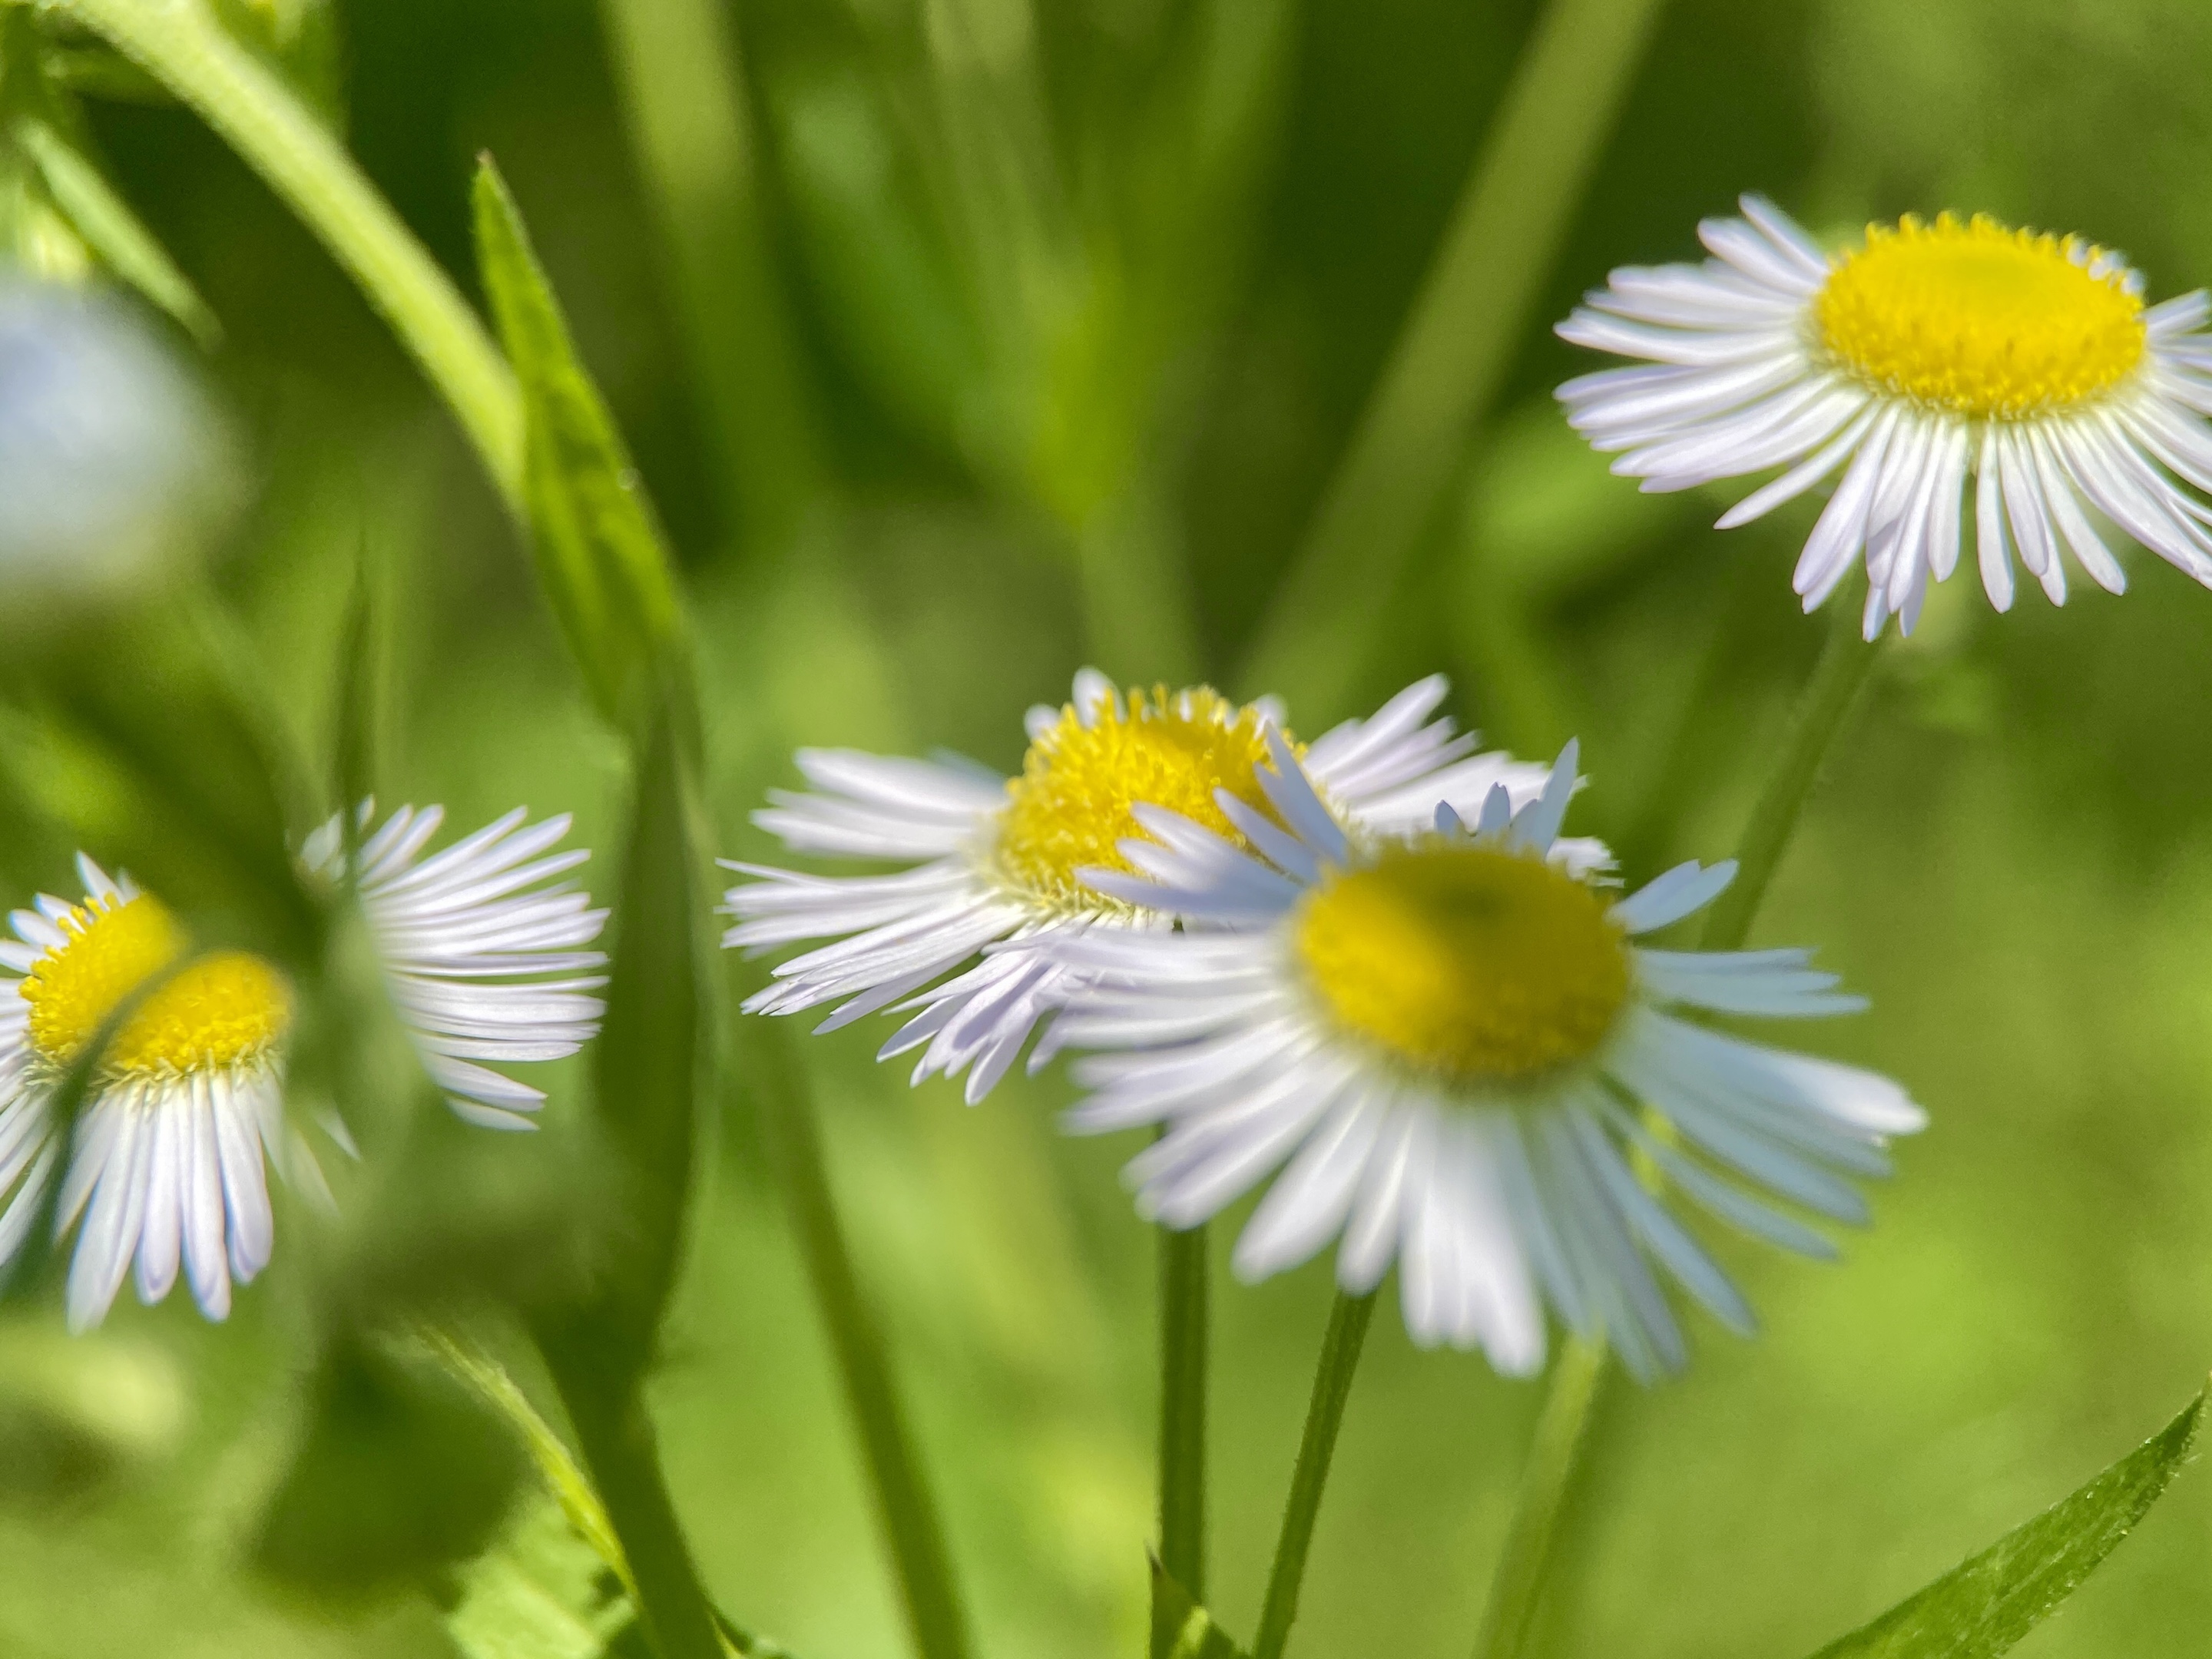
[(181, 45), (619, 1448), (1498, 248), (904, 1504), (1845, 664), (678, 68), (1184, 1316), (1519, 1579), (1339, 1358)]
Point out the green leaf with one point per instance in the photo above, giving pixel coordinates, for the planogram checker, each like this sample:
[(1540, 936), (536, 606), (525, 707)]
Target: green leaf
[(599, 552), (541, 1593), (398, 1475), (1196, 1636), (549, 1582), (1980, 1608), (113, 231)]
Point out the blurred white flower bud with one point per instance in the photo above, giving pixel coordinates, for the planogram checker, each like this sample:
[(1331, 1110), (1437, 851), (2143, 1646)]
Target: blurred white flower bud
[(115, 468)]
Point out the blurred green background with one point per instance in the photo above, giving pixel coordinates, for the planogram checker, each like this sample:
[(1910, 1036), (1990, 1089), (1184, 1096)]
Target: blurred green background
[(1032, 337)]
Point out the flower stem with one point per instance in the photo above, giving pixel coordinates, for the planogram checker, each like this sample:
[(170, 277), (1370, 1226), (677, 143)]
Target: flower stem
[(1339, 1358), (1519, 1579), (904, 1504), (1846, 664), (1184, 1312), (1498, 248), (180, 43), (618, 1441)]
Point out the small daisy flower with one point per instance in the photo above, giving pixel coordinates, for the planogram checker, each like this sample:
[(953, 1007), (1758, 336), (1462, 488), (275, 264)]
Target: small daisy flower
[(166, 1160), (468, 939), (167, 1163), (1441, 1042), (1931, 357), (995, 861)]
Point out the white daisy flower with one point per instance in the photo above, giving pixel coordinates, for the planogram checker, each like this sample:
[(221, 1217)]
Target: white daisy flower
[(1930, 356), (166, 1160), (1442, 1042), (468, 939), (166, 1165), (993, 861)]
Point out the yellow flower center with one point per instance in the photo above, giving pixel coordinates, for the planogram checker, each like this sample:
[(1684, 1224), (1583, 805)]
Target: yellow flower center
[(1471, 965), (1071, 807), (1978, 319), (225, 1009)]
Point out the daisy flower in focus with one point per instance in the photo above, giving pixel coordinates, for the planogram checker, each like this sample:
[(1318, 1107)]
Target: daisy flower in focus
[(484, 946), (1441, 1044), (167, 1166), (1929, 358), (993, 862), (166, 1162)]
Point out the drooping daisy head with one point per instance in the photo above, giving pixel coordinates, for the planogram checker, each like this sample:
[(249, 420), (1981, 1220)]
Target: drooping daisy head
[(997, 862), (1451, 1052), (166, 1163), (484, 947), (1930, 357)]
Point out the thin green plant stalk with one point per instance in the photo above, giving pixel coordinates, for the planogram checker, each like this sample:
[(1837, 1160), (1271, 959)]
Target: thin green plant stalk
[(1455, 346), (181, 44), (616, 1439), (1560, 1432), (904, 1504), (678, 67), (1841, 675), (1339, 1359), (1185, 1319)]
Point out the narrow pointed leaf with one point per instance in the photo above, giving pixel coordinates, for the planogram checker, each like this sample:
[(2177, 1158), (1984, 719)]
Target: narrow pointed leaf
[(599, 552), (113, 231), (1193, 1633), (1982, 1608)]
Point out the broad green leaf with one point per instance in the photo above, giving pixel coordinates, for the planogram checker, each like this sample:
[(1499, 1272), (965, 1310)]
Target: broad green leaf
[(398, 1476), (1191, 1632), (113, 231), (541, 1592), (599, 552), (553, 1582), (1981, 1607)]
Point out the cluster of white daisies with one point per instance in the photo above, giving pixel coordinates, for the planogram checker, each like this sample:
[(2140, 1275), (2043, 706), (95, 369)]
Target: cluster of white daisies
[(1368, 973)]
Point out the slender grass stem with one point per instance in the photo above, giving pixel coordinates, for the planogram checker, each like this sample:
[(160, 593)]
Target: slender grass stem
[(904, 1504), (1454, 348), (1185, 1312), (1845, 667), (181, 45), (678, 67), (1339, 1358), (1560, 1431)]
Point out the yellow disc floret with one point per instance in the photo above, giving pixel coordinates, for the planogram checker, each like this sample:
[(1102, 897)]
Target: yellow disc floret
[(1471, 965), (1070, 807), (1981, 320), (224, 1009)]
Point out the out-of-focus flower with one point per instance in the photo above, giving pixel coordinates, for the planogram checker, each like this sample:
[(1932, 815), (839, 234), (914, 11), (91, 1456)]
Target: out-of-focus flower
[(1929, 357), (165, 1166), (1441, 1036), (995, 860), (115, 468), (468, 937)]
